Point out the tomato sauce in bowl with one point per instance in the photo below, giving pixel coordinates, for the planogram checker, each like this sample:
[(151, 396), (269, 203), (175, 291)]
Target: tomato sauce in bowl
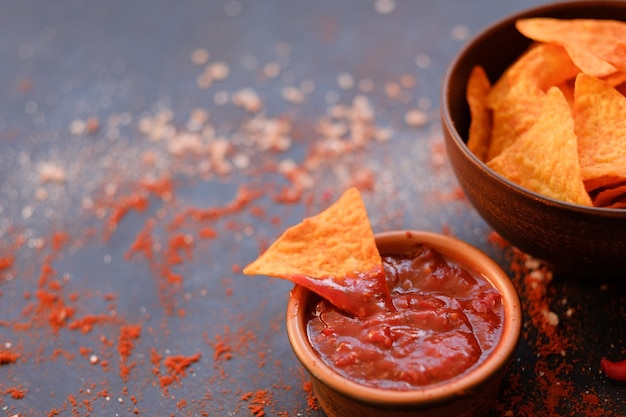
[(444, 321)]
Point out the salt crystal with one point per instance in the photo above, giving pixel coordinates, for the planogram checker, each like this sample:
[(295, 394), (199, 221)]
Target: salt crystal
[(384, 6), (415, 118)]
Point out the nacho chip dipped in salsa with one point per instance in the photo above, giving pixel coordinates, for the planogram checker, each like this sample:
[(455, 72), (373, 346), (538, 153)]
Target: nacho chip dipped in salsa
[(333, 254), (572, 74)]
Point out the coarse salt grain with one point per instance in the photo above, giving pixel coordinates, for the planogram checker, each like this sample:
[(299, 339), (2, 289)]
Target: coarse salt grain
[(384, 6), (383, 134), (271, 70), (422, 61), (460, 33), (200, 56), (553, 318), (77, 127), (248, 100), (241, 161), (218, 71), (292, 94), (345, 81), (392, 90), (41, 194), (415, 118), (50, 172), (185, 142)]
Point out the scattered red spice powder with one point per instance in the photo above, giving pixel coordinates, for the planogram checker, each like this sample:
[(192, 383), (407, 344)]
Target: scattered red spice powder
[(122, 206), (258, 400), (7, 357), (162, 188), (207, 233), (175, 368), (85, 324), (223, 351), (311, 400), (6, 262), (125, 346), (15, 393)]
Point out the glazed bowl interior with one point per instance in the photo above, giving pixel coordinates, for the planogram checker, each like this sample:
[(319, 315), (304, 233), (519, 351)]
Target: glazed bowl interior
[(575, 240), (402, 242)]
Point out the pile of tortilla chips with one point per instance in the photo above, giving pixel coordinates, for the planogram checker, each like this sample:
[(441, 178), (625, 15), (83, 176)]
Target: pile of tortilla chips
[(555, 121)]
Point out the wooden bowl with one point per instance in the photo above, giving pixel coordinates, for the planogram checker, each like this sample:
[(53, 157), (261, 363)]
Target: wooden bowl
[(470, 394), (578, 241)]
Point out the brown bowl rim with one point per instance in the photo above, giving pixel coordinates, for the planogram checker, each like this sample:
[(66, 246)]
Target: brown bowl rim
[(451, 126), (464, 254)]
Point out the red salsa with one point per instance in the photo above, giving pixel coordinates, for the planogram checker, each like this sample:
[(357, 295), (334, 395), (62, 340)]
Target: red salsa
[(444, 320)]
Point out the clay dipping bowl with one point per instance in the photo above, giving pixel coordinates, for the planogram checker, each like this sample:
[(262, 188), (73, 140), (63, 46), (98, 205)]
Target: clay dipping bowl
[(578, 242), (470, 394)]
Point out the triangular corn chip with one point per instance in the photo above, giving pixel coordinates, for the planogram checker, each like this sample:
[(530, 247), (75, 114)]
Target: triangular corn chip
[(545, 158), (542, 65), (600, 120), (478, 86), (608, 196), (515, 113), (592, 43), (333, 254)]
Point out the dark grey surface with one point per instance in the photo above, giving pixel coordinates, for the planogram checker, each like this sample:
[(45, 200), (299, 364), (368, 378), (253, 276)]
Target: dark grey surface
[(123, 61)]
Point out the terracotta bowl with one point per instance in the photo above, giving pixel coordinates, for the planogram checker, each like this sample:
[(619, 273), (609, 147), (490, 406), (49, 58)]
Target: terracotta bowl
[(468, 395), (577, 241)]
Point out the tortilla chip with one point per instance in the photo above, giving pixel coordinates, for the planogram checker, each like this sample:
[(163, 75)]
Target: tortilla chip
[(592, 43), (599, 115), (337, 242), (333, 254), (567, 88), (606, 197), (542, 65), (619, 204), (478, 86), (545, 158), (621, 88), (514, 114), (589, 63), (615, 79)]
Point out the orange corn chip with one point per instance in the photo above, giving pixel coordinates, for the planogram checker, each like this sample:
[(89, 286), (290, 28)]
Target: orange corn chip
[(542, 65), (598, 47), (567, 88), (515, 113), (619, 204), (615, 79), (545, 158), (478, 86), (621, 88), (607, 197), (600, 120), (333, 254)]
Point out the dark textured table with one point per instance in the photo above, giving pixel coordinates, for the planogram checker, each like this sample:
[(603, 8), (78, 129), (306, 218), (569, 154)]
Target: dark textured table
[(150, 150)]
